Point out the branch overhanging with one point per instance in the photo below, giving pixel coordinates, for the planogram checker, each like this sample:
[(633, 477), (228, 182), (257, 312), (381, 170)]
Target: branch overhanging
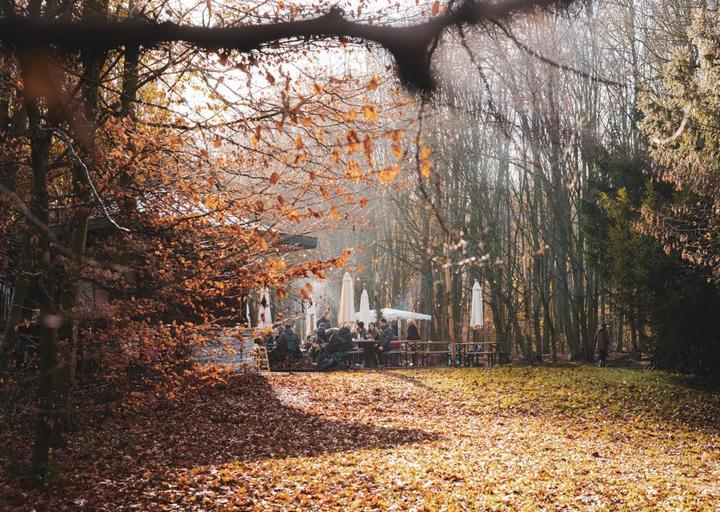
[(409, 45)]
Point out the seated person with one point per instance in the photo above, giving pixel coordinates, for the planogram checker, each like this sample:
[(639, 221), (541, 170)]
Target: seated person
[(341, 341), (372, 332), (387, 336), (368, 343), (360, 331), (291, 342), (269, 342), (277, 346)]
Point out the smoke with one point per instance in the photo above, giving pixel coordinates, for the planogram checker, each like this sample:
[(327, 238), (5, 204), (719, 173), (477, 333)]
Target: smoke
[(325, 293)]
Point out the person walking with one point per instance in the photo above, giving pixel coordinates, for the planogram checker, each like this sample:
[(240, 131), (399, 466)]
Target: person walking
[(602, 343)]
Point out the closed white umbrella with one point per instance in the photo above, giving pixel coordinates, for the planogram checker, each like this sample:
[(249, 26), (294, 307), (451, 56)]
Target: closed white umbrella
[(264, 313), (347, 300), (477, 318), (268, 314), (310, 316), (261, 316), (364, 314)]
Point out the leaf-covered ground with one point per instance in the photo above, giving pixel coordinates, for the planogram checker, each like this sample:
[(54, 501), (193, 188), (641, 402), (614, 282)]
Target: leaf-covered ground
[(503, 439)]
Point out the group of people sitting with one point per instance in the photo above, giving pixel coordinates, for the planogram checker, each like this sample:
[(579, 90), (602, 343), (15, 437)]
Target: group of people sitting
[(375, 341), (283, 346), (334, 345)]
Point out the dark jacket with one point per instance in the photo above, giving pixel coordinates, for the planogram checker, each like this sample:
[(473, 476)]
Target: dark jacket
[(341, 341), (270, 342), (602, 339), (291, 341), (387, 336), (323, 322), (279, 345), (412, 332)]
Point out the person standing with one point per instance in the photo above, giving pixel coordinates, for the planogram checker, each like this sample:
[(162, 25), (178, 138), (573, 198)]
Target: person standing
[(412, 331), (602, 343), (413, 336), (325, 321)]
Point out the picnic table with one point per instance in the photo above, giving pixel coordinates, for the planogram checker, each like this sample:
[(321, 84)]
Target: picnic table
[(432, 352)]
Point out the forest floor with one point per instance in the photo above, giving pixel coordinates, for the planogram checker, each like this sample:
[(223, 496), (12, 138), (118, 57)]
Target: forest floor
[(511, 438)]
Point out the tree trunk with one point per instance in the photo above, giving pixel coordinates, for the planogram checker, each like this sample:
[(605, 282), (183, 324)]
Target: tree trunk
[(47, 350), (449, 303)]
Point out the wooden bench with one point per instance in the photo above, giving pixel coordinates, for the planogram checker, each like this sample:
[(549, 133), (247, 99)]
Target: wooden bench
[(419, 352)]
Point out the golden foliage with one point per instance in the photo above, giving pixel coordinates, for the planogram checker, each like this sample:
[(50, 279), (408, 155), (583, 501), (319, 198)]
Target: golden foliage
[(506, 439)]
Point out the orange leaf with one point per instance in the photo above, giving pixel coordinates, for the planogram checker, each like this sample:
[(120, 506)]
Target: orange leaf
[(436, 8), (353, 170), (217, 142), (367, 146), (363, 202), (274, 178), (335, 156), (425, 169), (388, 174), (370, 113)]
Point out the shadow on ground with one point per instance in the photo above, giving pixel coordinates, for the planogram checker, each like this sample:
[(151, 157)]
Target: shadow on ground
[(241, 421)]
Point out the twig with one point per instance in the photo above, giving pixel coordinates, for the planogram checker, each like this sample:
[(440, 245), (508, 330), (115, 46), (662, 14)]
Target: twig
[(25, 210), (542, 58), (68, 143)]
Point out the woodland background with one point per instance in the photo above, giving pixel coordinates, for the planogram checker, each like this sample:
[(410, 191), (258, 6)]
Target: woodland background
[(563, 154)]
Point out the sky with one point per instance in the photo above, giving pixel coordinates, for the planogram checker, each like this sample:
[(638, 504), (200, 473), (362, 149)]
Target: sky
[(328, 60)]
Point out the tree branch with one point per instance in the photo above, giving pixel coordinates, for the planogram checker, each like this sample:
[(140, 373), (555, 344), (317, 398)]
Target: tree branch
[(409, 45)]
